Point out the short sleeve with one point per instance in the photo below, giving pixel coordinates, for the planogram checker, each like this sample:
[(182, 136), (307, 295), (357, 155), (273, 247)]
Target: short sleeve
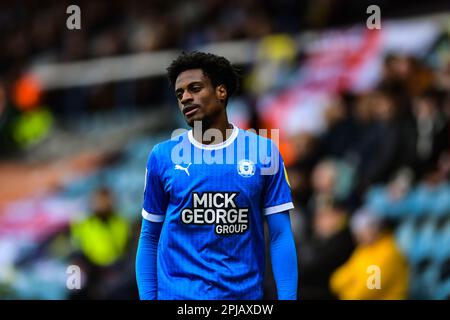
[(155, 197), (277, 191)]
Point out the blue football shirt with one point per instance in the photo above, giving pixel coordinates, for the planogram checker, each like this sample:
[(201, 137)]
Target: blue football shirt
[(212, 200)]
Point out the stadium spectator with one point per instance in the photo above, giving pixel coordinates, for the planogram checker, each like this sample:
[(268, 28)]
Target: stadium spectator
[(431, 134), (376, 247), (329, 247), (379, 149), (330, 179), (102, 239)]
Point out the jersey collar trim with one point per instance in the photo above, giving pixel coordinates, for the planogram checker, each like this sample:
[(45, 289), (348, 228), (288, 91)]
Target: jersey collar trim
[(221, 145)]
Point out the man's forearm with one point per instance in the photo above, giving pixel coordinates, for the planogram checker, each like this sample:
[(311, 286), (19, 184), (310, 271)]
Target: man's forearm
[(284, 255), (146, 274)]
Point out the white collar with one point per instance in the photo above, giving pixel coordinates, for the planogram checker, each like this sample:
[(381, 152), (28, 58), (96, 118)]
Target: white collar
[(221, 145)]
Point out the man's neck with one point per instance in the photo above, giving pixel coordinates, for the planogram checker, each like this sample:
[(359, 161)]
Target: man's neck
[(220, 131)]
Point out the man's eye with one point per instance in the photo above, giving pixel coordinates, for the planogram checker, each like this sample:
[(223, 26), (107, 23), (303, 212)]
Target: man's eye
[(196, 89)]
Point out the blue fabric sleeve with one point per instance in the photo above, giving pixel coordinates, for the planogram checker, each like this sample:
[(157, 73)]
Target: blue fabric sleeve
[(277, 197), (146, 275), (155, 197), (283, 255)]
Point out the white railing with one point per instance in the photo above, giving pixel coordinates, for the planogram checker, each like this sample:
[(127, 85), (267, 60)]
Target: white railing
[(141, 65)]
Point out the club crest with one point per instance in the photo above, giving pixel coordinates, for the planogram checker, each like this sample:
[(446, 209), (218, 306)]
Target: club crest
[(246, 168)]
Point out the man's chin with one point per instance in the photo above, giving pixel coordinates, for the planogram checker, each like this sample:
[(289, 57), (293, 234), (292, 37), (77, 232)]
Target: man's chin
[(191, 121)]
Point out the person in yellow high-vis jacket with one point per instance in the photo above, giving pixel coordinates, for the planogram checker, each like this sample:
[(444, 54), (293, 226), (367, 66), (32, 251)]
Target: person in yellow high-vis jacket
[(102, 237), (376, 270)]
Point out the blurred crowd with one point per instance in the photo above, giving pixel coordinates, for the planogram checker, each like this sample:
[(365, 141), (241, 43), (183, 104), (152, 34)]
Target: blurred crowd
[(371, 190), (36, 32)]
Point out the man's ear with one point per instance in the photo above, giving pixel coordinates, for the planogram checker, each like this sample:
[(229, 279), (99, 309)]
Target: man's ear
[(221, 93)]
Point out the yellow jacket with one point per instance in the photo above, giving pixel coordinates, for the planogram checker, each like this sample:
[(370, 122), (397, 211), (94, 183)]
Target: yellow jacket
[(102, 242), (358, 278)]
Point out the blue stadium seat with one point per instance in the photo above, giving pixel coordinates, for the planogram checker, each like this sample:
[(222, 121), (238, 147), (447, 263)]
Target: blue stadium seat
[(405, 236), (380, 201), (441, 250), (431, 201), (426, 239), (443, 287), (443, 291)]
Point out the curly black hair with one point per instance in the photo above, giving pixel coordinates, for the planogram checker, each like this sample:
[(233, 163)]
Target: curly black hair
[(218, 69)]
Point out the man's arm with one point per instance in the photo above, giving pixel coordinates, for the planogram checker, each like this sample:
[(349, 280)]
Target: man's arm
[(283, 255), (153, 211), (146, 260)]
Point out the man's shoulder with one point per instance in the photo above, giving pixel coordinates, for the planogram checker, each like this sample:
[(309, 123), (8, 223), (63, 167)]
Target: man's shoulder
[(164, 147), (259, 137)]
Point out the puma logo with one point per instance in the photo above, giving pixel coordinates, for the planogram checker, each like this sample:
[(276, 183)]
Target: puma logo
[(178, 167)]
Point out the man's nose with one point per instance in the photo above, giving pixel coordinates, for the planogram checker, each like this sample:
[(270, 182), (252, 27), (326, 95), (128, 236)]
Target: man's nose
[(187, 97)]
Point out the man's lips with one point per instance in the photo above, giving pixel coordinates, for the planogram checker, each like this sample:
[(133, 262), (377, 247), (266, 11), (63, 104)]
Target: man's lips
[(190, 110)]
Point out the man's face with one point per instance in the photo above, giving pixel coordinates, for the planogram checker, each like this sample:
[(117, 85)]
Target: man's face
[(102, 204), (366, 235), (197, 99)]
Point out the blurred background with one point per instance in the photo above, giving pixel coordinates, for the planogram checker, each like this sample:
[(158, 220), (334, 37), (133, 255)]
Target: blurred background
[(364, 132)]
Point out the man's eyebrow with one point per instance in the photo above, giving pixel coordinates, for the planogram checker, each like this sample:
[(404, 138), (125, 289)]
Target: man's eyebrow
[(189, 85), (195, 82)]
